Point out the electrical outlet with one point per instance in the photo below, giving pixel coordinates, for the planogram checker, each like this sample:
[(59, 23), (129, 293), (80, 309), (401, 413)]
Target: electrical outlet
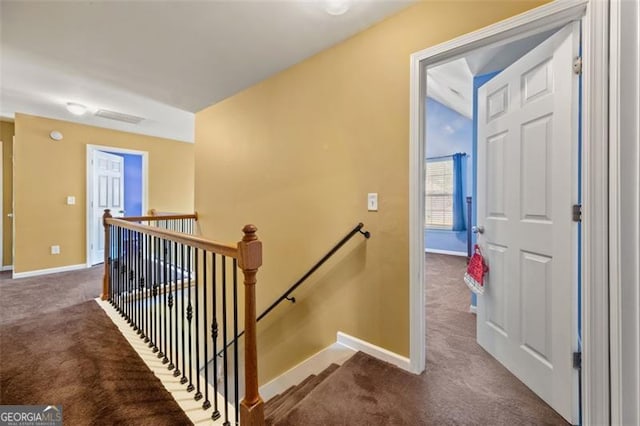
[(55, 249), (71, 200)]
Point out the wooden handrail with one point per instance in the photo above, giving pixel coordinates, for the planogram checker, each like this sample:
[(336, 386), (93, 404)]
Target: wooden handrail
[(178, 237), (158, 218)]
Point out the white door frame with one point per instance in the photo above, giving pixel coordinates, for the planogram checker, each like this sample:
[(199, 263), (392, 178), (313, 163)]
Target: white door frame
[(595, 184), (89, 210)]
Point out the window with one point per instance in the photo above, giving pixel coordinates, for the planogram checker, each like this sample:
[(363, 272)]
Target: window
[(439, 193)]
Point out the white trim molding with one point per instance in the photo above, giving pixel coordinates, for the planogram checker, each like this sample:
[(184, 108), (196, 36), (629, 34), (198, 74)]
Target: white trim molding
[(595, 218), (595, 193), (449, 252), (624, 211), (6, 268), (48, 271), (375, 351)]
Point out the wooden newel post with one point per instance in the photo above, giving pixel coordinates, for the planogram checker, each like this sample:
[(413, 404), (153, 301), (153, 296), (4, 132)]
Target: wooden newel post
[(107, 248), (250, 259)]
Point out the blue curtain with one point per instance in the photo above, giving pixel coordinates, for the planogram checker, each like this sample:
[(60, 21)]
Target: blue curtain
[(458, 196)]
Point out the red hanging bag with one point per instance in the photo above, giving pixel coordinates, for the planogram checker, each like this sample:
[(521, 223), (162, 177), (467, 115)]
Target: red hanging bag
[(476, 269)]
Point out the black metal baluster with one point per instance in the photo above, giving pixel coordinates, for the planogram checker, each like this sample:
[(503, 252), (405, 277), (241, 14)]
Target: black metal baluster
[(198, 394), (128, 277), (156, 285), (173, 353), (165, 360), (183, 379), (112, 263), (235, 346), (119, 270), (206, 404), (224, 339), (125, 272), (190, 388), (142, 288), (141, 284), (154, 276), (131, 284), (136, 281), (149, 284), (176, 334), (214, 335), (162, 314), (166, 255)]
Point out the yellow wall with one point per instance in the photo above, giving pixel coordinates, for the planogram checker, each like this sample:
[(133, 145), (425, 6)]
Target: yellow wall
[(46, 172), (6, 136), (297, 154)]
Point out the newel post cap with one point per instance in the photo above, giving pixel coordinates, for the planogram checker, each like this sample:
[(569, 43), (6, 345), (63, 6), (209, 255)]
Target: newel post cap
[(250, 249)]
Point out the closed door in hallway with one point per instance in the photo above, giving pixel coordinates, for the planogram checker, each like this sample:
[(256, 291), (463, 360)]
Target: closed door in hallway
[(527, 184), (108, 193)]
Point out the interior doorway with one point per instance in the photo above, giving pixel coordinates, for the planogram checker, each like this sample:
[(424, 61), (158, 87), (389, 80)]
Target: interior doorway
[(117, 179), (501, 128)]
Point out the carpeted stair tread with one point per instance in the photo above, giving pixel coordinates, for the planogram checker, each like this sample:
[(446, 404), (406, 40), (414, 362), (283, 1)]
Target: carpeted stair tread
[(275, 402), (301, 392), (355, 380), (273, 410)]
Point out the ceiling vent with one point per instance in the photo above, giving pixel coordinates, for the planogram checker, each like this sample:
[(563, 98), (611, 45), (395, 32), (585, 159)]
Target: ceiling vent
[(118, 116)]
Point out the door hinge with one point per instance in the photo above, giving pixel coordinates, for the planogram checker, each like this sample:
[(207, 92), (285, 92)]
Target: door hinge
[(577, 360), (577, 65), (577, 212)]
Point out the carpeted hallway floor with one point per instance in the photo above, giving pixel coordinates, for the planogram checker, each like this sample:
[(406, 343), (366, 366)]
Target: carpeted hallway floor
[(57, 346)]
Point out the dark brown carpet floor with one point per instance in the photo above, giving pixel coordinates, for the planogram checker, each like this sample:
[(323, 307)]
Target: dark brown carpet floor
[(26, 297), (463, 385), (76, 357)]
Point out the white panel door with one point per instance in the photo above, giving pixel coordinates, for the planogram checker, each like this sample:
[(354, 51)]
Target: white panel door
[(108, 193), (527, 184)]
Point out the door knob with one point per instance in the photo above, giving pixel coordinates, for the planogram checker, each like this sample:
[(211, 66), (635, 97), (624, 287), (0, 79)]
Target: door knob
[(478, 229)]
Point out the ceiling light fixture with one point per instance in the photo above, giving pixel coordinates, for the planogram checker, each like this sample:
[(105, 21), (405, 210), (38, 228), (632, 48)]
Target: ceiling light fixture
[(76, 109), (336, 7)]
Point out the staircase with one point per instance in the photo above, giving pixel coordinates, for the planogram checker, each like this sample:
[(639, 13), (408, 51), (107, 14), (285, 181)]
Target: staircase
[(278, 407)]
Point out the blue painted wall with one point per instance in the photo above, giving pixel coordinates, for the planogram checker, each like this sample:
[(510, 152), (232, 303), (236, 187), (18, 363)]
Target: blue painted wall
[(448, 133), (132, 183), (478, 81)]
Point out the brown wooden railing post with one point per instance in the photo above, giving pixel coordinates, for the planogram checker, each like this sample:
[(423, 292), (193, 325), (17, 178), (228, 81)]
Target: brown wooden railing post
[(107, 244), (249, 260)]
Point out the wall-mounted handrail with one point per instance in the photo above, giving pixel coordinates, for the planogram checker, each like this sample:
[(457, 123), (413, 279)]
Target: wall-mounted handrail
[(287, 294)]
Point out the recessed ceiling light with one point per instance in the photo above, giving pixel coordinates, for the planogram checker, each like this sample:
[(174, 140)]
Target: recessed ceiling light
[(336, 7), (76, 109)]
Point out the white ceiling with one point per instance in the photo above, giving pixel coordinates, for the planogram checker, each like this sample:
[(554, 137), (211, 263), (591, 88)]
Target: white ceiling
[(162, 61), (451, 83)]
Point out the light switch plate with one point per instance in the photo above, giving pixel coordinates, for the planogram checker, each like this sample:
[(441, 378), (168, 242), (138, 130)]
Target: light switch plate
[(372, 201), (71, 200), (55, 249)]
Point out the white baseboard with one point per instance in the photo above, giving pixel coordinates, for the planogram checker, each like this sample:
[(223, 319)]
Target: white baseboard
[(49, 271), (334, 354), (449, 252), (473, 309), (6, 268), (375, 351)]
